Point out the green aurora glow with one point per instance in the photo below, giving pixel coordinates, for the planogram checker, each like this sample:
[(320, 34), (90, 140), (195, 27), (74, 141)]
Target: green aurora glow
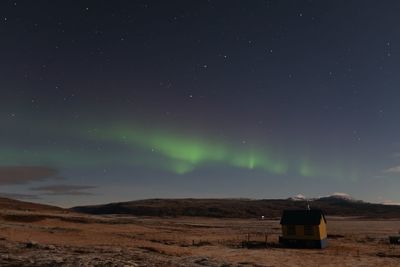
[(168, 151), (184, 153)]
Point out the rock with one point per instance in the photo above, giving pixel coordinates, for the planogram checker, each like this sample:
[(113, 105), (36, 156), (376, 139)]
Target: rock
[(32, 244), (50, 247)]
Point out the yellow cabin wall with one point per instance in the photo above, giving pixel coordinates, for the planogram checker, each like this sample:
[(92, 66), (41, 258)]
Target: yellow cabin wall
[(322, 229), (319, 232)]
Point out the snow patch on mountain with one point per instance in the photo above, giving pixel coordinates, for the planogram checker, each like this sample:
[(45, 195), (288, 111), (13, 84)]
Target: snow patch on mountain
[(344, 196), (336, 195), (389, 202), (298, 197)]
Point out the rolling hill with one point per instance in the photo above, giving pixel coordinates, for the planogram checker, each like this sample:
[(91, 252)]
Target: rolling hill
[(17, 205), (242, 208)]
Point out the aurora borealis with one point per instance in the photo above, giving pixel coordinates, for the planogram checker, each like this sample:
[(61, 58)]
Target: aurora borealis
[(119, 101), (184, 153)]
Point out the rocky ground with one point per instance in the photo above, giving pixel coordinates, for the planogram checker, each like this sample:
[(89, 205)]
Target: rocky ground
[(31, 253)]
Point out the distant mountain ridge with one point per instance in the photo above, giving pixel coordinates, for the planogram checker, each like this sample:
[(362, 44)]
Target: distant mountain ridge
[(333, 205)]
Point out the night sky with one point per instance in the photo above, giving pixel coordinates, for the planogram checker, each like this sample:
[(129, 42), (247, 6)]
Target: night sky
[(120, 100)]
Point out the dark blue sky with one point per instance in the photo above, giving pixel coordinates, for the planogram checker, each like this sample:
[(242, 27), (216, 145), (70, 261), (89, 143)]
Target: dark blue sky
[(119, 100)]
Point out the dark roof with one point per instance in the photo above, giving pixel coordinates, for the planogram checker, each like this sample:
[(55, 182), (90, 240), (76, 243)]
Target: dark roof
[(302, 217)]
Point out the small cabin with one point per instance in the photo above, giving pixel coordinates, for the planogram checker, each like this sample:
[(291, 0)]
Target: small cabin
[(303, 228)]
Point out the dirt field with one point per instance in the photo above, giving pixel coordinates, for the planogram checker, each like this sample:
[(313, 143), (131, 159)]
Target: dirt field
[(68, 239)]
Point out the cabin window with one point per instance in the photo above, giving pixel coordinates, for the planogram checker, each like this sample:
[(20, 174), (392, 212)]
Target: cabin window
[(291, 230), (308, 230)]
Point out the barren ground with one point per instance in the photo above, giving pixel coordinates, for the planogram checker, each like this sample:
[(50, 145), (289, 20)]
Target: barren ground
[(53, 238)]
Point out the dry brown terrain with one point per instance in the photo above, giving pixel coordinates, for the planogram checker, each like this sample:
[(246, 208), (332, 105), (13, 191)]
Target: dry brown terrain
[(42, 236)]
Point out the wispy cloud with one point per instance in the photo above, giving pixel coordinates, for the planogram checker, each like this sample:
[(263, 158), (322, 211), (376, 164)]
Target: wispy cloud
[(396, 155), (64, 189), (395, 169), (19, 196), (12, 175)]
